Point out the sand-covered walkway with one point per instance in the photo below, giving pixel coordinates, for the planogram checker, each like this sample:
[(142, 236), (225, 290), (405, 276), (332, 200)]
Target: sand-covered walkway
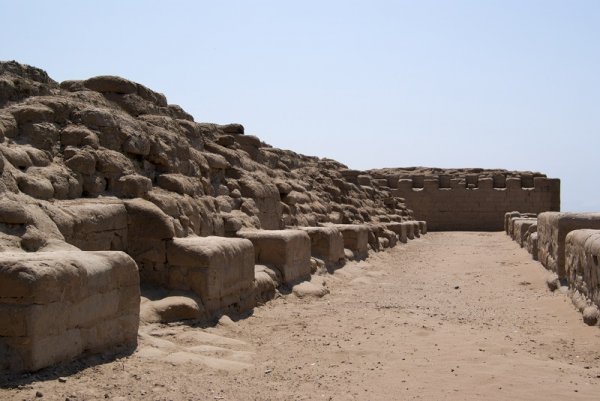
[(450, 316)]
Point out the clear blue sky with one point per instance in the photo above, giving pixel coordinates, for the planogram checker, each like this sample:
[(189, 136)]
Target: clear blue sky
[(506, 84)]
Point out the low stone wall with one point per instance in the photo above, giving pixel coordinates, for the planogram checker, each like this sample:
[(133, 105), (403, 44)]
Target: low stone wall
[(327, 244), (287, 250), (219, 270), (582, 264), (521, 228), (59, 302), (356, 239), (55, 306), (553, 228), (571, 254)]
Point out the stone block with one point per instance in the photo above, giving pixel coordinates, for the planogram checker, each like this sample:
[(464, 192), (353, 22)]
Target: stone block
[(507, 217), (532, 245), (399, 229), (513, 183), (356, 239), (364, 180), (553, 228), (520, 230), (582, 266), (287, 250), (485, 183), (422, 227), (327, 244), (92, 224), (431, 185), (416, 228), (410, 229), (219, 270), (405, 184), (55, 306)]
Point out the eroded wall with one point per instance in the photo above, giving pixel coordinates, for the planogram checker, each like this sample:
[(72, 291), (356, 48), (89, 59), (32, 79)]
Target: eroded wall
[(475, 203)]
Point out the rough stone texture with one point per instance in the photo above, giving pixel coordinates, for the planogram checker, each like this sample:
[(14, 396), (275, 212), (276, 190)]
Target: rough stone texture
[(56, 306), (287, 250), (356, 239), (507, 217), (92, 224), (219, 270), (107, 164), (521, 228), (172, 308), (513, 219), (108, 136), (456, 200), (552, 228), (582, 266), (410, 229), (532, 245), (400, 229), (327, 244), (148, 230)]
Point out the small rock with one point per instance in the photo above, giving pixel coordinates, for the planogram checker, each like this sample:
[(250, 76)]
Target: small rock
[(552, 282), (226, 321), (591, 315), (62, 379), (39, 394), (309, 289)]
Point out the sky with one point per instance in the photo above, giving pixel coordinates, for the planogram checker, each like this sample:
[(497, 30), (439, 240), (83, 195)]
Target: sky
[(372, 83)]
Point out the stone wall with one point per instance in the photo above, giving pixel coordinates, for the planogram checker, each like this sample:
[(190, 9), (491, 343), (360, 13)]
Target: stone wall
[(568, 245), (475, 204), (582, 264), (55, 306), (552, 231)]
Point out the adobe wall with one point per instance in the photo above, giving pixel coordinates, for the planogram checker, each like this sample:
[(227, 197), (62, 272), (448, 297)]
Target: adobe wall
[(475, 203)]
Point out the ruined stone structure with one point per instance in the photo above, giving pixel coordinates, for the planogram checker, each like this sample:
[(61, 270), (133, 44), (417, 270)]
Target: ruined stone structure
[(105, 187), (106, 171), (473, 199), (568, 245)]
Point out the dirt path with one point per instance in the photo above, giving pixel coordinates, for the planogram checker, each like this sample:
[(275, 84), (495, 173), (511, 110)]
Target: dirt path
[(450, 316)]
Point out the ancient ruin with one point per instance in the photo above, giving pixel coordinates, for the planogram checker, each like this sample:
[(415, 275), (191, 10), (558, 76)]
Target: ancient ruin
[(118, 208), (567, 245)]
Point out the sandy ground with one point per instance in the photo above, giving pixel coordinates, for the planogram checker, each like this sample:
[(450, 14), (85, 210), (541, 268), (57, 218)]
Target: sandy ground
[(450, 316)]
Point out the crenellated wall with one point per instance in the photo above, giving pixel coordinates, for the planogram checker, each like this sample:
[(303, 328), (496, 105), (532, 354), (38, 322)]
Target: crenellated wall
[(474, 202)]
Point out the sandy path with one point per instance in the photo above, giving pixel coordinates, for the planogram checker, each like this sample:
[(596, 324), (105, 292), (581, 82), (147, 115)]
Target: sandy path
[(450, 316)]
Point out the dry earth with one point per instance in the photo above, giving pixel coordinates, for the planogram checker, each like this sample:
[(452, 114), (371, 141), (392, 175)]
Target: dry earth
[(450, 316)]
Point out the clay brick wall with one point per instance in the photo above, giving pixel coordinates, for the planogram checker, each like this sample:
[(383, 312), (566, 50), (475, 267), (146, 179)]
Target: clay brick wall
[(475, 203)]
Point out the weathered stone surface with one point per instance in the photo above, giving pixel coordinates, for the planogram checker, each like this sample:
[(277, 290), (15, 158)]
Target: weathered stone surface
[(553, 228), (507, 217), (57, 305), (521, 228), (146, 220), (582, 266), (401, 230), (219, 270), (327, 244), (410, 229), (109, 83), (532, 245), (131, 186), (172, 308), (356, 238), (288, 250), (92, 224), (459, 199)]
